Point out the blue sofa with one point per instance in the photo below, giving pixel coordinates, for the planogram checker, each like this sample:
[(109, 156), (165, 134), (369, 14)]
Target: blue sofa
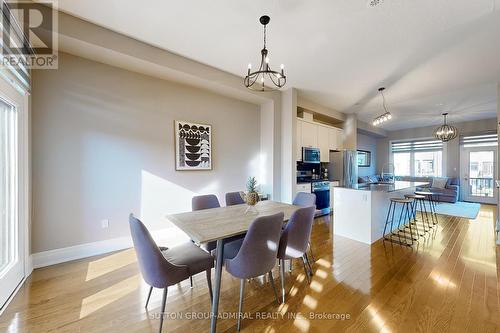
[(447, 194)]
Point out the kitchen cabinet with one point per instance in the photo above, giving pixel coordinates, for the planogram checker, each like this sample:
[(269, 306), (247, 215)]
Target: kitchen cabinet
[(332, 185), (305, 187), (315, 135), (309, 134), (298, 143), (332, 139), (323, 143), (335, 138)]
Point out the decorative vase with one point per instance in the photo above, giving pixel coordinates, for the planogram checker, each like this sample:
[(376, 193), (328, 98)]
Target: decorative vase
[(252, 198)]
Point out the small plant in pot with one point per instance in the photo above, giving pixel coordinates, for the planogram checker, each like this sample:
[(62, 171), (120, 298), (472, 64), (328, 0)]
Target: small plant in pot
[(252, 197)]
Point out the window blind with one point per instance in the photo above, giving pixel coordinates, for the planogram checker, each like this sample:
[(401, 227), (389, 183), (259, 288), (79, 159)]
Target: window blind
[(416, 145), (481, 140)]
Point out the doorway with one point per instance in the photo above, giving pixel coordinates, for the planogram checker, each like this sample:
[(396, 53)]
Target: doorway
[(13, 189), (478, 168)]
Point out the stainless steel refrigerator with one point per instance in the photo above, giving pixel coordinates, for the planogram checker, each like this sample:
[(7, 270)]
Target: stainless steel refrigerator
[(344, 167)]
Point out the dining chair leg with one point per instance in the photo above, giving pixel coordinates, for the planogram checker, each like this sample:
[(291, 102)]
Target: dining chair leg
[(271, 279), (290, 265), (308, 264), (209, 283), (306, 270), (282, 275), (163, 304), (240, 306), (191, 281), (311, 251), (149, 296)]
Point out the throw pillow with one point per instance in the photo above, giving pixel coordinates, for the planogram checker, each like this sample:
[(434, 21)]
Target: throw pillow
[(439, 182)]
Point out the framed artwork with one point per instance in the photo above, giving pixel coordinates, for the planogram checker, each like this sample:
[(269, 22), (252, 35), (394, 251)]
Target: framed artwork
[(193, 146), (364, 158)]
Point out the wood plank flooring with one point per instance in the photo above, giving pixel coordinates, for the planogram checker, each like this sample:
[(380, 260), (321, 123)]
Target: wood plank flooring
[(448, 282)]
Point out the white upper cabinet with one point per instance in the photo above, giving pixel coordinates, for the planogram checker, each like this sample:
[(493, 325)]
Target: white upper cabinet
[(320, 136), (323, 143), (298, 143), (309, 135), (332, 139), (335, 138)]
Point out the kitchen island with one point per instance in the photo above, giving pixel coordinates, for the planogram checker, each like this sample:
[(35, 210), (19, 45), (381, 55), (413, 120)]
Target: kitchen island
[(359, 212)]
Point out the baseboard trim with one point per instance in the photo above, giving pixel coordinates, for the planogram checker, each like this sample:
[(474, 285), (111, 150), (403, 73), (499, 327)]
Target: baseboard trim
[(57, 256)]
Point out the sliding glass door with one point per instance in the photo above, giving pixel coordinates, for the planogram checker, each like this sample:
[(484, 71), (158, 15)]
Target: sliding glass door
[(12, 191)]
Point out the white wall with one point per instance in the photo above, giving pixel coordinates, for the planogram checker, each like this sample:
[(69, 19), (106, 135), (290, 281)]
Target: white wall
[(368, 143), (103, 146), (288, 144)]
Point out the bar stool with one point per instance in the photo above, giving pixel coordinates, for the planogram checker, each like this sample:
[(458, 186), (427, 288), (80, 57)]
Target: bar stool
[(429, 197), (406, 209), (419, 201)]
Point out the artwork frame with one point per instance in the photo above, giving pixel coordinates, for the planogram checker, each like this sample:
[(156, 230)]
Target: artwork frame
[(193, 146), (364, 158)]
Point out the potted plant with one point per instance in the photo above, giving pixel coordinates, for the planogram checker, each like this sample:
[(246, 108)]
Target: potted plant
[(252, 197)]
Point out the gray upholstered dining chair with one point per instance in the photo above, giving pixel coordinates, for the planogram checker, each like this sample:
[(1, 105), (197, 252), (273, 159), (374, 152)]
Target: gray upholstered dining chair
[(166, 267), (202, 202), (257, 254), (304, 199), (294, 241), (205, 201), (234, 198)]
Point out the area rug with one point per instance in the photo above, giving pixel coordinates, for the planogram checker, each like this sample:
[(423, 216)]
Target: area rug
[(466, 210)]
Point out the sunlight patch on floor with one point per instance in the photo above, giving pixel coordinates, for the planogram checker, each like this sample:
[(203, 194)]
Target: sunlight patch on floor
[(310, 302), (109, 264), (109, 295), (302, 323)]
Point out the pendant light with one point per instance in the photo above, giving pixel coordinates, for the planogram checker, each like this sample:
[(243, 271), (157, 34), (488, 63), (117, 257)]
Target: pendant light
[(386, 115), (446, 132), (258, 79)]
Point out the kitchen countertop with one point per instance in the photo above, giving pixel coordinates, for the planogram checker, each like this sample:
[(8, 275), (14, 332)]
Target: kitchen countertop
[(323, 180), (385, 187)]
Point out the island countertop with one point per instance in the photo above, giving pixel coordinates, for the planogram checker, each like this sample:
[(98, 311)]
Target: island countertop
[(398, 185)]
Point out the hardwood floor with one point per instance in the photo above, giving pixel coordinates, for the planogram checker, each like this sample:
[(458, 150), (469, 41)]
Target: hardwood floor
[(449, 282)]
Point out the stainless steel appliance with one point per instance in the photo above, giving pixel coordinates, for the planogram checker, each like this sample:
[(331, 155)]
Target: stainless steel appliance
[(343, 167), (322, 191), (310, 155)]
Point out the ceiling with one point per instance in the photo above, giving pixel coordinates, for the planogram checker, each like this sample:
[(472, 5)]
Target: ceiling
[(431, 55)]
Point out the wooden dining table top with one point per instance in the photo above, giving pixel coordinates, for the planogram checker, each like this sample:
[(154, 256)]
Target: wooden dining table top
[(218, 223)]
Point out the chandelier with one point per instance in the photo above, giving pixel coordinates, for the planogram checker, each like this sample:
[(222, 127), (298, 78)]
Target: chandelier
[(258, 79), (386, 115), (446, 132)]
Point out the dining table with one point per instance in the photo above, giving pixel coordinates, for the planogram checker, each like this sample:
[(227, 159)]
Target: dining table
[(218, 224)]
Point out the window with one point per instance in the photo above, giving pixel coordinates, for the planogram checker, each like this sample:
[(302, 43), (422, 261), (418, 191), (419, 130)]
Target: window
[(402, 164), (420, 158), (428, 164)]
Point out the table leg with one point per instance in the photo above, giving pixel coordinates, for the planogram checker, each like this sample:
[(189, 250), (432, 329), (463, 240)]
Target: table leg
[(218, 276)]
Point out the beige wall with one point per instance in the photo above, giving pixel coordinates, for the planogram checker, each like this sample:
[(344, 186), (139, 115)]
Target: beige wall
[(452, 147), (103, 146)]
